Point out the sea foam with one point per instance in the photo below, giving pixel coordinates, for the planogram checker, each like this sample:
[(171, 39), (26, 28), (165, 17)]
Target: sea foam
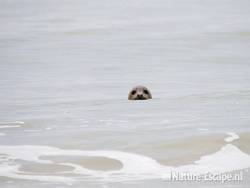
[(134, 166)]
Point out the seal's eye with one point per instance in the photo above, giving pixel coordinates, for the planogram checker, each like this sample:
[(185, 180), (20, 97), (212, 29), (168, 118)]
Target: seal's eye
[(145, 91), (133, 92)]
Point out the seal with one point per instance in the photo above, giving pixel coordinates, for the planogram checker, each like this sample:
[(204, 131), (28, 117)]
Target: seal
[(139, 93)]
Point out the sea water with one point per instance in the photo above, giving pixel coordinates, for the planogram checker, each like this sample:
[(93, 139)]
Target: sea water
[(66, 68)]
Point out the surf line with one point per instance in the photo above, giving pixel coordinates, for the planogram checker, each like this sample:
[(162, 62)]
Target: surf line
[(232, 136)]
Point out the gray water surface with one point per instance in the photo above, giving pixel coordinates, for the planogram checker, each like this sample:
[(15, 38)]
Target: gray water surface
[(66, 68)]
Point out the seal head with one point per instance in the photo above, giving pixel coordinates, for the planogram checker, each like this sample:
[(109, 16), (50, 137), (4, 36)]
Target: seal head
[(139, 93)]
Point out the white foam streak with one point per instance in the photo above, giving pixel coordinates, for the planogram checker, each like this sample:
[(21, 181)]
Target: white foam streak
[(135, 166), (13, 172), (9, 126), (228, 158), (232, 137)]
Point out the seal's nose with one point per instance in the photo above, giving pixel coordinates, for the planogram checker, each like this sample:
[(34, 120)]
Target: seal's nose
[(140, 96)]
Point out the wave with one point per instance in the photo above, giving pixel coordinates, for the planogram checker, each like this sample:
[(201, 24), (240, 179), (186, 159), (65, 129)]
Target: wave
[(134, 167)]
